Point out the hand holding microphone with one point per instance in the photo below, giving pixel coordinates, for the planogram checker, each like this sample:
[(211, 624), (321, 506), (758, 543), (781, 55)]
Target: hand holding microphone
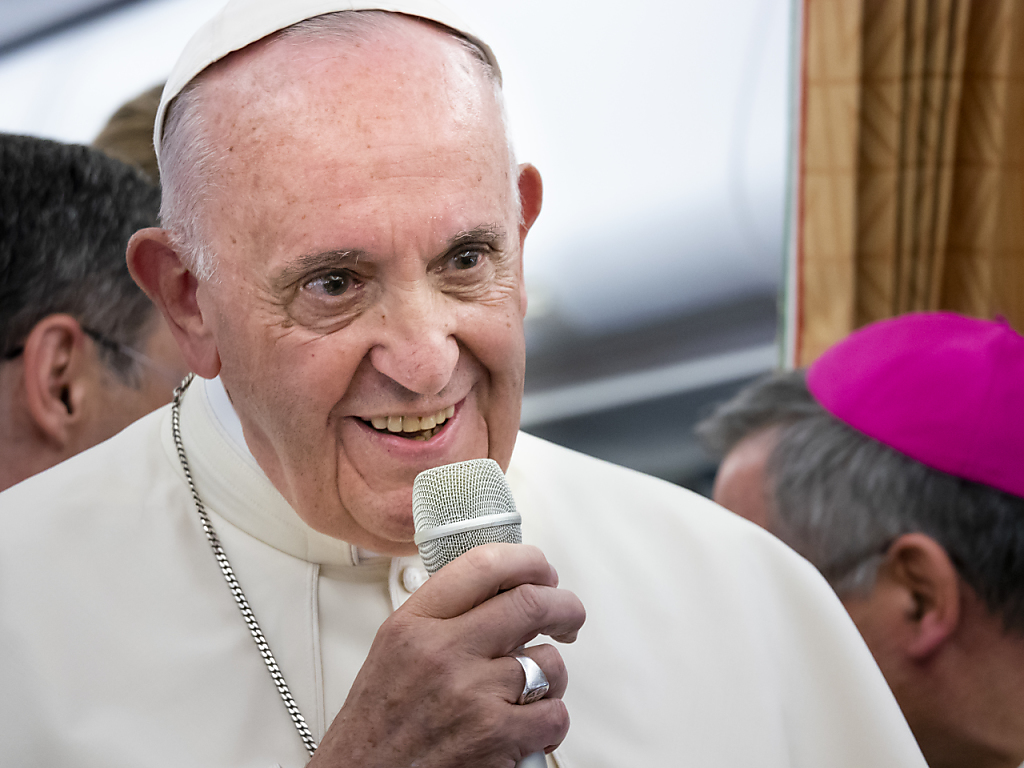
[(460, 506), (440, 685)]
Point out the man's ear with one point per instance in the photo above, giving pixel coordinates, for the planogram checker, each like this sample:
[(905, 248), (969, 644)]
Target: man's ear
[(56, 379), (531, 195), (160, 272), (921, 568)]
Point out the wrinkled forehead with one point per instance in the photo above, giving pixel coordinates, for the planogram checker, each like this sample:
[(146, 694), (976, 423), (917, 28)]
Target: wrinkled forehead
[(318, 144), (413, 89)]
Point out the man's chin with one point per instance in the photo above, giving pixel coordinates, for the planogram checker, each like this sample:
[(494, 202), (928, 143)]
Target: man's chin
[(382, 525)]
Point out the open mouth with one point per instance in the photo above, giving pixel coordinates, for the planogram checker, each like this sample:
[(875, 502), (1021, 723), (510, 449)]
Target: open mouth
[(412, 427)]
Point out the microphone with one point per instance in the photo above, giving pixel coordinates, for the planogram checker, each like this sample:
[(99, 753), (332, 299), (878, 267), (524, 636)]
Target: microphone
[(459, 506), (456, 507)]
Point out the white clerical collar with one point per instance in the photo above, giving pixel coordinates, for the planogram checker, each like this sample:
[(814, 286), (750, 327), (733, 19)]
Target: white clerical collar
[(227, 418)]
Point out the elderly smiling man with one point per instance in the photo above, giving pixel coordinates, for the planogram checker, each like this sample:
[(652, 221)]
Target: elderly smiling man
[(341, 263)]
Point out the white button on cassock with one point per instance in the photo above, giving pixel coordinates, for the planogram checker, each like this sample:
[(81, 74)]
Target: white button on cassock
[(413, 578)]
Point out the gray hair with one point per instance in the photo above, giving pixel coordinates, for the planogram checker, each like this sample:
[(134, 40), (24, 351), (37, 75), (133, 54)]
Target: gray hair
[(188, 158), (778, 398), (66, 215), (841, 498)]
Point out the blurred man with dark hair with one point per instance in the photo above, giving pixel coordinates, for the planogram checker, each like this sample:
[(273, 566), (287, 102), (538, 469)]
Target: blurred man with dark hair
[(84, 353), (896, 466)]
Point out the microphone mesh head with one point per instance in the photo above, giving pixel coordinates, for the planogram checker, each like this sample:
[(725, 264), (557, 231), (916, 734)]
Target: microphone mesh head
[(456, 492)]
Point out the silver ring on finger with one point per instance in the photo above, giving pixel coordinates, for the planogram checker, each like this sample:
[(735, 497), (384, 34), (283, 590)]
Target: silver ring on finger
[(536, 686)]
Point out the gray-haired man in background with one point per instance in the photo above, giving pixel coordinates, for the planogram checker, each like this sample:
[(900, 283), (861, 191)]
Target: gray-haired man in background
[(896, 466)]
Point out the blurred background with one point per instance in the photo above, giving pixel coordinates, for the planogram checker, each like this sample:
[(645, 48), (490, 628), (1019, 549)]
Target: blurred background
[(662, 134)]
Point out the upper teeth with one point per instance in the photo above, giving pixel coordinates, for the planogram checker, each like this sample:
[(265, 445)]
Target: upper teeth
[(412, 423)]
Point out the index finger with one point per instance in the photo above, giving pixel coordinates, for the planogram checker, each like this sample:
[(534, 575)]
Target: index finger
[(478, 575)]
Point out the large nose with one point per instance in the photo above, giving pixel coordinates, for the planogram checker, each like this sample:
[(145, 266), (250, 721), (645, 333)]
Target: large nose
[(417, 346)]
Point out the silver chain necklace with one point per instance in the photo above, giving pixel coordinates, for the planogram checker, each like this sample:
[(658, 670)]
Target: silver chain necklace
[(229, 576)]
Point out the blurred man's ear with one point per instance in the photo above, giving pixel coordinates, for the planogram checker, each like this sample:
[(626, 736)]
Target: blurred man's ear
[(921, 574), (159, 271), (56, 378)]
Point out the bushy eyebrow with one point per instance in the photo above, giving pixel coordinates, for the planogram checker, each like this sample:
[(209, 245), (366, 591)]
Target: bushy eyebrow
[(311, 263), (489, 235), (492, 236)]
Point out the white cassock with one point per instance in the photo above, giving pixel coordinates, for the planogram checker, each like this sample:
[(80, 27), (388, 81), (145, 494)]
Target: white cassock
[(708, 643)]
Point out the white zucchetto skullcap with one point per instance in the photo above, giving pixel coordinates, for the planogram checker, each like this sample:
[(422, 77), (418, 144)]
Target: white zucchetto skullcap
[(243, 22)]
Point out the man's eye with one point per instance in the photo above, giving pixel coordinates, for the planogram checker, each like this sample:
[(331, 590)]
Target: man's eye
[(466, 259), (334, 284)]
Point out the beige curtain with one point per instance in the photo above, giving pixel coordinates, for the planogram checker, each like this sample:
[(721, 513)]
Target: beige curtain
[(909, 177)]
